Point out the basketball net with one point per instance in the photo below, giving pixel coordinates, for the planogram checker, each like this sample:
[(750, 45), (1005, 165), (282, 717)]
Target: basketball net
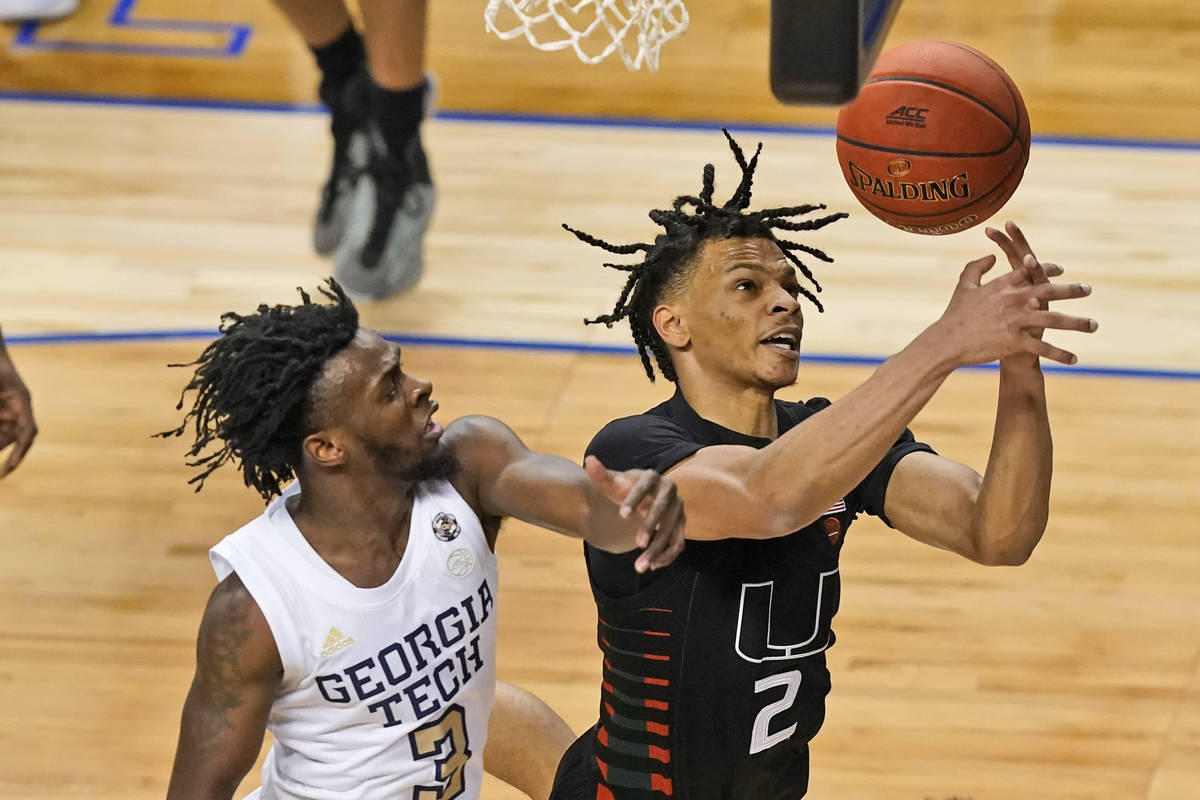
[(594, 29)]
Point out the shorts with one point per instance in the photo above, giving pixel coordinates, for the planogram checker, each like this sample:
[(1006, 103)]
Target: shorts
[(577, 776)]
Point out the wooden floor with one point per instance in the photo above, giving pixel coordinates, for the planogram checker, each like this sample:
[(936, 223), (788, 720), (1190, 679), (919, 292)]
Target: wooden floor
[(1076, 677)]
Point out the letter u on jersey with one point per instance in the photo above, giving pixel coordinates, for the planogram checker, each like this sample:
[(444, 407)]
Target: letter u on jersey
[(758, 632)]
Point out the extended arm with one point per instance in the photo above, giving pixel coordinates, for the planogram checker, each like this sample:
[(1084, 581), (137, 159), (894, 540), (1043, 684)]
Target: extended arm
[(225, 714), (17, 427), (738, 491), (615, 511), (999, 518)]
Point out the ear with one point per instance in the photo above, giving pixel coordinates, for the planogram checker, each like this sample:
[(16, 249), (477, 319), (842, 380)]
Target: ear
[(671, 327), (324, 449)]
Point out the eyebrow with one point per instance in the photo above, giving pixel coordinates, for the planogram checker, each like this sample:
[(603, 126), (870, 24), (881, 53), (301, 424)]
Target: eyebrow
[(788, 271), (393, 366)]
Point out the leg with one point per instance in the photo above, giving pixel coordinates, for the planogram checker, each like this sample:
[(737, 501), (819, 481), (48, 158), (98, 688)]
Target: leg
[(382, 251), (395, 33), (326, 27), (319, 22), (526, 740)]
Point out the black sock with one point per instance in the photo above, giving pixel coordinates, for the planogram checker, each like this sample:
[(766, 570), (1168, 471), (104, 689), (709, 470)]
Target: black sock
[(398, 113), (339, 61)]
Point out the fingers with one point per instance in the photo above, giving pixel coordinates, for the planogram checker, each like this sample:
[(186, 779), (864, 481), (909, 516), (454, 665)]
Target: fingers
[(596, 470), (1062, 322), (1006, 245), (666, 542), (973, 272), (1061, 291), (1052, 270), (647, 482), (1034, 271), (1018, 238), (671, 536), (20, 448), (663, 500), (1047, 350)]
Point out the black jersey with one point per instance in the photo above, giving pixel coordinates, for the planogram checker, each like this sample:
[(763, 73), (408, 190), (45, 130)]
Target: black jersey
[(714, 668)]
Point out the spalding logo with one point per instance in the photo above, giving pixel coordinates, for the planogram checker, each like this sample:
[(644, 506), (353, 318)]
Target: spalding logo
[(957, 186)]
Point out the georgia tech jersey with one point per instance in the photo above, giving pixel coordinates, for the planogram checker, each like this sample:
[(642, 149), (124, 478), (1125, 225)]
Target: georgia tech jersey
[(386, 690)]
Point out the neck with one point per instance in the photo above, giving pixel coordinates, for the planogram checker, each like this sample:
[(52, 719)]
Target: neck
[(745, 409), (357, 524)]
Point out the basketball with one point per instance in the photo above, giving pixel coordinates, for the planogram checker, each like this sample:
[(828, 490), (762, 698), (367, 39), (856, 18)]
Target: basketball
[(936, 141)]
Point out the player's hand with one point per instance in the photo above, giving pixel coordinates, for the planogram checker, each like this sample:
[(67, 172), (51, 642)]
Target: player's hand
[(1006, 317), (653, 496), (17, 427), (1020, 255)]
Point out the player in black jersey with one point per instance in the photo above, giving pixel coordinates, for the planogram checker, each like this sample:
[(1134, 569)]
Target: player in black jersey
[(714, 668)]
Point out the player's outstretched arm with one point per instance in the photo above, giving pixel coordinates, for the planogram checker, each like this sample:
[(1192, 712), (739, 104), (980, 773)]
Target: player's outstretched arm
[(225, 715), (526, 740), (615, 511), (739, 491), (17, 427), (997, 518)]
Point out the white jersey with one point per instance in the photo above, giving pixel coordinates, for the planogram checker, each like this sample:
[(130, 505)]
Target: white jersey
[(386, 691)]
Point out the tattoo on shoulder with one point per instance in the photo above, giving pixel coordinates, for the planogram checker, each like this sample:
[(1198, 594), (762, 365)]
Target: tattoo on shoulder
[(220, 671)]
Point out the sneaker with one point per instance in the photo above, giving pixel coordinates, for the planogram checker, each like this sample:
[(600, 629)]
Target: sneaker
[(382, 251), (347, 120), (36, 10)]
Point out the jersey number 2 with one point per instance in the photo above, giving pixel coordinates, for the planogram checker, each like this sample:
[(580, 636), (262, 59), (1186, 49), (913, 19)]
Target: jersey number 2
[(445, 741), (760, 736)]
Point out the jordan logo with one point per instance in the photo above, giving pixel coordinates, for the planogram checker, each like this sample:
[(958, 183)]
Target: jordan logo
[(335, 641)]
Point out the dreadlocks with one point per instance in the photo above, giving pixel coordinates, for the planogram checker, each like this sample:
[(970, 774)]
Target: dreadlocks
[(689, 223), (254, 383)]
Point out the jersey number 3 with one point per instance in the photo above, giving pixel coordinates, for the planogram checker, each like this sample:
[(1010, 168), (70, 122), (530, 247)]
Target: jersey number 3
[(445, 741)]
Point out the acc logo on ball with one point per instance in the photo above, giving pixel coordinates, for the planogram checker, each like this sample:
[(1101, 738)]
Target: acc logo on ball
[(907, 116)]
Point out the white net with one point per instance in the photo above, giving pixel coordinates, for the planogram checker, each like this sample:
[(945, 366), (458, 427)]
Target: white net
[(594, 29)]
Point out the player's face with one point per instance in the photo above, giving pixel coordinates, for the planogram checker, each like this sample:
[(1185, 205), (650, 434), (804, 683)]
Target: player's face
[(386, 413), (743, 316)]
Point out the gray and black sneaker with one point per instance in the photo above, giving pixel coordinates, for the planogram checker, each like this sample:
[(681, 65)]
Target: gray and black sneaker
[(347, 106), (382, 251)]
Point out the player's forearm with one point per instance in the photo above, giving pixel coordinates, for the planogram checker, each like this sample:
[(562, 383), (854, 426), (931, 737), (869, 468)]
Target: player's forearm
[(818, 462), (1014, 499), (554, 493)]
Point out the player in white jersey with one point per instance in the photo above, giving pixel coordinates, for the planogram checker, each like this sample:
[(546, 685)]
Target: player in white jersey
[(355, 619)]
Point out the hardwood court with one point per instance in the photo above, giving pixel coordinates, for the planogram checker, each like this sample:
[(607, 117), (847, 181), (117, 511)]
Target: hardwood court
[(1075, 677)]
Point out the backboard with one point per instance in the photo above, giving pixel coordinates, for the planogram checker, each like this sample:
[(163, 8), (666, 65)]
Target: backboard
[(822, 50)]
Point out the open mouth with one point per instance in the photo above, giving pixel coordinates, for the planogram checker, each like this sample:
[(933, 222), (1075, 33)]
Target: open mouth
[(432, 429), (788, 343)]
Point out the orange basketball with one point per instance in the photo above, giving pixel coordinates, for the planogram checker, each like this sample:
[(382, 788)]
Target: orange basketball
[(937, 140)]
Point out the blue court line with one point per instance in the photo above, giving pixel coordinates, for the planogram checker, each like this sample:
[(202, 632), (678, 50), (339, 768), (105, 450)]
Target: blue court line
[(575, 347), (566, 120), (122, 17)]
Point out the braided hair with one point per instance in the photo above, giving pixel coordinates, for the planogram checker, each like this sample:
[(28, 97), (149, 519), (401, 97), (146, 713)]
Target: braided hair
[(689, 223), (254, 387)]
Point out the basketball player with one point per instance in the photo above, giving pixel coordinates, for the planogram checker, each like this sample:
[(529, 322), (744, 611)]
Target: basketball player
[(714, 668), (356, 617), (17, 427), (378, 198)]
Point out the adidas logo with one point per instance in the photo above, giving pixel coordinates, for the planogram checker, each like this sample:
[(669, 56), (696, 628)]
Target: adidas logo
[(335, 641)]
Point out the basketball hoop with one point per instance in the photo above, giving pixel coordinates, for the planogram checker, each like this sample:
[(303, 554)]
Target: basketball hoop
[(594, 29)]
